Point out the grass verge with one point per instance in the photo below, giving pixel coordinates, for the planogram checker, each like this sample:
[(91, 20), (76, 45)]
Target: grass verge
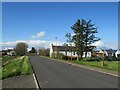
[(18, 66), (109, 65), (26, 66)]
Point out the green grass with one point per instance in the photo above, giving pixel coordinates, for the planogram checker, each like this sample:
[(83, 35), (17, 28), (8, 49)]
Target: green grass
[(0, 61), (18, 66), (12, 69), (26, 66), (110, 65), (7, 59)]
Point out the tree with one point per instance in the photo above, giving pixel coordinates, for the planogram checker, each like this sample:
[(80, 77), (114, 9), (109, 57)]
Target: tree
[(66, 46), (21, 48), (89, 35), (84, 36), (69, 40), (44, 52), (33, 50), (78, 29)]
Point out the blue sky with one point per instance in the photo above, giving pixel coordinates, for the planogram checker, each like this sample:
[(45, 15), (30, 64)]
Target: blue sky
[(21, 21)]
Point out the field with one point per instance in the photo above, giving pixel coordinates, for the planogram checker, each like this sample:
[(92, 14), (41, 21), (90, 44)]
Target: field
[(13, 66)]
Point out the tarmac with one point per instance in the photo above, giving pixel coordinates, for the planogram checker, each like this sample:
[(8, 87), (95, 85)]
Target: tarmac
[(23, 81)]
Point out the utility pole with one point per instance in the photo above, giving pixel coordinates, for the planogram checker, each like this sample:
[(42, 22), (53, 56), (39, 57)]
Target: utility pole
[(56, 47)]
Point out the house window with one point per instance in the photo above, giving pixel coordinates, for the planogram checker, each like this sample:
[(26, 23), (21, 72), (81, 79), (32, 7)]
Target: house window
[(73, 53), (88, 54), (66, 52), (118, 55)]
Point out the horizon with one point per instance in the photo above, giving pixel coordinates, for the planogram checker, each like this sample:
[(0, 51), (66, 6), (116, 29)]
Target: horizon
[(36, 23)]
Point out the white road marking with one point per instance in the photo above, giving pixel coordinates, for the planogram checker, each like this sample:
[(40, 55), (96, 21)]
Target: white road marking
[(36, 82)]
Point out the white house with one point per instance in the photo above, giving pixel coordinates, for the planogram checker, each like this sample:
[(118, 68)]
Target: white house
[(11, 53), (117, 54), (108, 53), (66, 50)]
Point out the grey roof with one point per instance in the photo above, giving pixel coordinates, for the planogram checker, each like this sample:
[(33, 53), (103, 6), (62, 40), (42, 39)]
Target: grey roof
[(63, 48), (110, 51)]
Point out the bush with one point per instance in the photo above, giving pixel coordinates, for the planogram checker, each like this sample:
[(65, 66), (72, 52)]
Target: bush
[(69, 58), (57, 55), (97, 59), (65, 57), (92, 59), (111, 59), (86, 59)]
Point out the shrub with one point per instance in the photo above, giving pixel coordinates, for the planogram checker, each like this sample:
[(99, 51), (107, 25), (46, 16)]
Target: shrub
[(112, 59), (96, 59), (92, 59), (57, 55), (69, 58), (86, 59), (65, 57)]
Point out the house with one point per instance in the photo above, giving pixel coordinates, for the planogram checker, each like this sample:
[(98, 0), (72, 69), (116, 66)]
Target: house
[(117, 54), (2, 53), (104, 53), (11, 52), (100, 53), (66, 50), (110, 52)]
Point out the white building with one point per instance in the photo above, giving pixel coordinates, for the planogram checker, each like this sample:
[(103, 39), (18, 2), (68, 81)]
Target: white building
[(117, 54), (108, 53), (11, 52), (66, 50)]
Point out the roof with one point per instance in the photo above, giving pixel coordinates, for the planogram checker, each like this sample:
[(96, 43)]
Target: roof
[(118, 51), (110, 51), (63, 48), (2, 53)]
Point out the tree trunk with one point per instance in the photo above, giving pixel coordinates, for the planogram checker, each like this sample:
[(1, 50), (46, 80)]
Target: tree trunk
[(77, 57), (71, 52), (86, 50), (85, 54), (81, 55)]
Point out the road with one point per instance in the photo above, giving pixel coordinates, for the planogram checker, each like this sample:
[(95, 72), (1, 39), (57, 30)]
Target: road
[(54, 74)]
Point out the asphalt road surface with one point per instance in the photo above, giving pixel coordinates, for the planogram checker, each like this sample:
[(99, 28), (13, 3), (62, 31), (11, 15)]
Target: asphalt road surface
[(54, 74)]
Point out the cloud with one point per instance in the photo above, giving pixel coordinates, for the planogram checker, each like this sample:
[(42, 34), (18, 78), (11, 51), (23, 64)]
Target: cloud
[(31, 43), (112, 44), (99, 44), (106, 45), (46, 44), (39, 35)]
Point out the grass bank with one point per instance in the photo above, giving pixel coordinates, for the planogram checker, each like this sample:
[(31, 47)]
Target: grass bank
[(16, 66)]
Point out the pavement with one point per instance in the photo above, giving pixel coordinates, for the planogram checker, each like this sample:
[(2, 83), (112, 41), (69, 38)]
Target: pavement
[(23, 81), (54, 74)]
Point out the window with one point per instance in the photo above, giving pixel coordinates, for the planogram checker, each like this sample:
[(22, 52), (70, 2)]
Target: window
[(73, 53), (118, 55)]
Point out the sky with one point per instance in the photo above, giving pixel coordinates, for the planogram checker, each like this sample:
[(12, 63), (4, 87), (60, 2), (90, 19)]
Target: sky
[(60, 0), (39, 23)]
